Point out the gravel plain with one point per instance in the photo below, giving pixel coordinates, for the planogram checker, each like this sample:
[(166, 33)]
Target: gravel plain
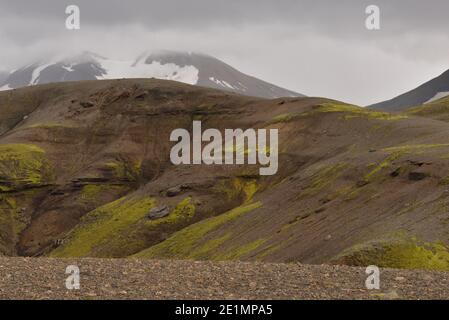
[(42, 278)]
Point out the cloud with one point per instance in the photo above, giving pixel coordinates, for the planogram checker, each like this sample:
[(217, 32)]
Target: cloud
[(313, 47)]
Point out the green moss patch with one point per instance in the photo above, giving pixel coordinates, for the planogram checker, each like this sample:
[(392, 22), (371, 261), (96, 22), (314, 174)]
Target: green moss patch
[(14, 218), (94, 195), (406, 254), (436, 110), (283, 118), (23, 166), (10, 224), (444, 181), (237, 252), (91, 192), (183, 211), (415, 148), (125, 170), (352, 111), (109, 222), (238, 187), (382, 165), (48, 125), (183, 244), (209, 248), (397, 152)]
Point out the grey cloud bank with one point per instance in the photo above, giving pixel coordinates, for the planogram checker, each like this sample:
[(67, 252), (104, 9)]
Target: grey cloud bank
[(314, 47)]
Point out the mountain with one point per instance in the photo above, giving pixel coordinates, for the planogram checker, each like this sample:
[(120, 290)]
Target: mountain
[(3, 76), (430, 91), (85, 171), (191, 68)]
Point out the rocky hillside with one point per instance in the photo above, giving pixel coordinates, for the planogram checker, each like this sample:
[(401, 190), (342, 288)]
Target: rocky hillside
[(85, 172)]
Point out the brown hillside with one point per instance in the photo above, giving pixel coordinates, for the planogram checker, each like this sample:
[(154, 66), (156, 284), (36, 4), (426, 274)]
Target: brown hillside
[(82, 165)]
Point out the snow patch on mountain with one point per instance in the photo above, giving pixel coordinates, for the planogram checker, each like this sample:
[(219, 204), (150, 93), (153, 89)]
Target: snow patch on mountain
[(37, 72), (428, 92), (223, 83), (68, 68), (5, 87), (438, 96), (116, 69), (187, 67)]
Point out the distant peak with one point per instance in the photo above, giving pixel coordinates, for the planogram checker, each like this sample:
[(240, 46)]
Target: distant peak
[(190, 67), (173, 53), (84, 56)]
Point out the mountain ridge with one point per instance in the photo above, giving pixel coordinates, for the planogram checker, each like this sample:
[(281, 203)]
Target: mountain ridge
[(187, 67), (430, 91)]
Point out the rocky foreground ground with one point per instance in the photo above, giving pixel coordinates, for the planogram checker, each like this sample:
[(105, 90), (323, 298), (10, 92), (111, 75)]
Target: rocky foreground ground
[(42, 278)]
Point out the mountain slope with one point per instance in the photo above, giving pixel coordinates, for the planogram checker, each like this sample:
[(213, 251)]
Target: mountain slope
[(214, 73), (430, 91), (3, 76), (191, 68), (438, 110), (85, 171)]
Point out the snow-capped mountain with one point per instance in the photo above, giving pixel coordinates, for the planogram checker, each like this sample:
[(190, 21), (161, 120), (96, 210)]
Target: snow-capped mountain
[(192, 68), (430, 91)]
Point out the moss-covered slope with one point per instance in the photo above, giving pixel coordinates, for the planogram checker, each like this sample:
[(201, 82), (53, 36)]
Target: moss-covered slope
[(85, 171)]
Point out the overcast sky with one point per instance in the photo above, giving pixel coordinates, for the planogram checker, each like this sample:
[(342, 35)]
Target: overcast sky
[(318, 48)]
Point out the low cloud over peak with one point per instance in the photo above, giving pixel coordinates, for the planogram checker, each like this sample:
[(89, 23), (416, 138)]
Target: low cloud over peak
[(317, 48)]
